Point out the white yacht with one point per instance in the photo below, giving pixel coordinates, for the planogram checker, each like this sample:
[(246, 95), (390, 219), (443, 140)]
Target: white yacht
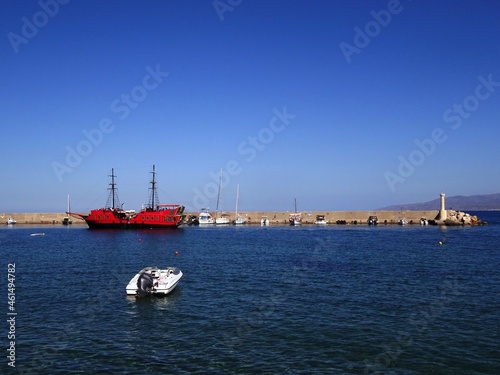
[(264, 222), (320, 220), (11, 221), (205, 217), (152, 280)]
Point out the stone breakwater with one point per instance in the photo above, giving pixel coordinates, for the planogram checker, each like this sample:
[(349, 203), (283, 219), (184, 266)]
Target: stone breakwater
[(356, 217), (281, 217)]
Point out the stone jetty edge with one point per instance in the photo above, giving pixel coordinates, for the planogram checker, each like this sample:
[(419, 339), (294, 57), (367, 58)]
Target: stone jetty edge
[(281, 217)]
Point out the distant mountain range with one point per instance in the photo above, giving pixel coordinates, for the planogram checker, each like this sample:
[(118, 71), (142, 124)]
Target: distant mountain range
[(458, 202)]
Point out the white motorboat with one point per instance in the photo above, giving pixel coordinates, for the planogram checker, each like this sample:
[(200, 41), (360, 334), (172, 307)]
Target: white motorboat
[(11, 221), (264, 222), (320, 220), (424, 221), (402, 221), (295, 219), (205, 217), (152, 280)]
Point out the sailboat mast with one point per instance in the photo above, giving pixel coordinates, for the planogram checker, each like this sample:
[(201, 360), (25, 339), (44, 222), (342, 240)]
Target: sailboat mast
[(218, 193), (237, 196)]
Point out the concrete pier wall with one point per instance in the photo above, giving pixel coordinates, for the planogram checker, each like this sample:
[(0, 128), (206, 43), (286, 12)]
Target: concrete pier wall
[(275, 217), (350, 217), (54, 218)]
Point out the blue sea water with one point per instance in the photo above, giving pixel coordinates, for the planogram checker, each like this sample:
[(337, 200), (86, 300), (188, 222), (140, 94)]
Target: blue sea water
[(273, 300)]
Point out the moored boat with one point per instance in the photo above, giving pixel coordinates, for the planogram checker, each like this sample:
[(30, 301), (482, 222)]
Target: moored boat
[(221, 218), (11, 221), (154, 281), (153, 215), (296, 217), (238, 218), (67, 220), (205, 217), (320, 220)]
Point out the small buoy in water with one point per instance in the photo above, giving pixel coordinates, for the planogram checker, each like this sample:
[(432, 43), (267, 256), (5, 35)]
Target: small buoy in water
[(176, 253), (440, 243), (139, 239)]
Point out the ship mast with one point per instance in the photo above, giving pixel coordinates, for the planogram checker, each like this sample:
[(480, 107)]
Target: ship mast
[(154, 192), (113, 195)]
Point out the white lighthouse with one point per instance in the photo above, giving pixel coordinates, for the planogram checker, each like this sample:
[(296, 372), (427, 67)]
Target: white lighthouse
[(442, 210)]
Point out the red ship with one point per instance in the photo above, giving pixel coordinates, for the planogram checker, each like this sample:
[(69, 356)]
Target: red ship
[(153, 216)]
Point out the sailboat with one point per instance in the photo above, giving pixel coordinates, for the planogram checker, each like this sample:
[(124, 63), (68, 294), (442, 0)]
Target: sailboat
[(295, 218), (66, 219), (238, 218), (223, 219)]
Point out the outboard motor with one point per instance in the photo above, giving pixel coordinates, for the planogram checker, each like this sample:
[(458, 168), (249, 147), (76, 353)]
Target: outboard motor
[(144, 284)]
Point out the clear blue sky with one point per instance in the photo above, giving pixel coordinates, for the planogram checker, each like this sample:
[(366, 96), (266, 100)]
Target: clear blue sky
[(325, 101)]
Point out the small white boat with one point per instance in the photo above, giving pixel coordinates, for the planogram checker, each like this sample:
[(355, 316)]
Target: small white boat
[(424, 221), (223, 219), (205, 217), (320, 220), (238, 218), (67, 220), (296, 217), (37, 234), (264, 222), (152, 280), (402, 222), (11, 221)]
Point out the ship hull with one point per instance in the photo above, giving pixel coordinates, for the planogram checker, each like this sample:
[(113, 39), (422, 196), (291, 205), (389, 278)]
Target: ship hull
[(165, 217)]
